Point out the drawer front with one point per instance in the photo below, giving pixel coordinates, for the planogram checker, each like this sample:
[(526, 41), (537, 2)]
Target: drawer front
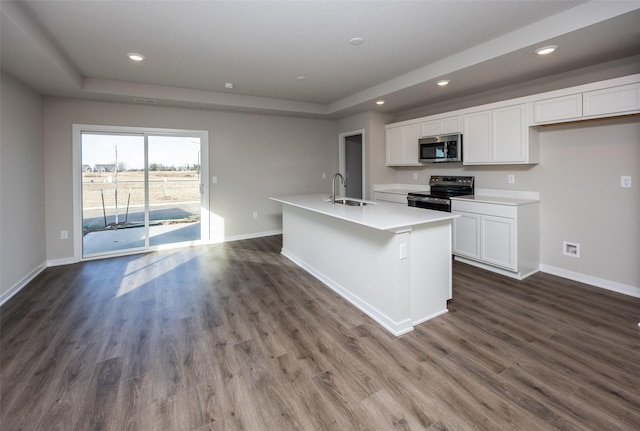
[(508, 211)]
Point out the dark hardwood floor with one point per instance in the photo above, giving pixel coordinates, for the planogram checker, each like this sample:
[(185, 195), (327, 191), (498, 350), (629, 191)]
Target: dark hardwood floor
[(236, 337)]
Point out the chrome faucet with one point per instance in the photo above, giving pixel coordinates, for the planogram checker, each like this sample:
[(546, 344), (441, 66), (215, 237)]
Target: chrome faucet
[(333, 180)]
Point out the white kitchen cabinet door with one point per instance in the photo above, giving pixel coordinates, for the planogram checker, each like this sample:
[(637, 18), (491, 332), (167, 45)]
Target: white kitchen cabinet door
[(614, 100), (498, 241), (394, 146), (442, 126), (430, 128), (466, 235), (450, 125), (509, 143), (476, 135), (410, 138), (558, 109), (402, 145)]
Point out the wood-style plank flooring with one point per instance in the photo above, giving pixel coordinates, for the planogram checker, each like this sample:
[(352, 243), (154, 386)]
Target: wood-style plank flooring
[(236, 337)]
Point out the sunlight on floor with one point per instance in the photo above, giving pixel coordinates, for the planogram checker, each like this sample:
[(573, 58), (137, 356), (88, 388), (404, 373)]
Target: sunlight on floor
[(151, 266)]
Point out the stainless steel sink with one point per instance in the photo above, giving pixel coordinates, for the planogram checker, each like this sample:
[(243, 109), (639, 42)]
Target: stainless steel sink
[(352, 202)]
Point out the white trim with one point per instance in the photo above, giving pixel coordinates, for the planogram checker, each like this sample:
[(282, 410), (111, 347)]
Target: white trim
[(22, 283), (517, 275), (61, 262), (342, 161), (253, 235), (593, 281)]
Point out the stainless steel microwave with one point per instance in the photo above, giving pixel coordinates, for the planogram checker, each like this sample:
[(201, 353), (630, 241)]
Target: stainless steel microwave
[(438, 149)]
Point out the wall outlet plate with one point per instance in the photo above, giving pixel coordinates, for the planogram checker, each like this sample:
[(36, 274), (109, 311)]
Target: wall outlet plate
[(625, 182), (511, 179), (571, 249)]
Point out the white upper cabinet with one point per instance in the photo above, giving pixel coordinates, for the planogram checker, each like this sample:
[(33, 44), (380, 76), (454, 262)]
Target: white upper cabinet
[(402, 145), (558, 109), (441, 126), (499, 136), (600, 103), (476, 138), (614, 100), (504, 132), (509, 134)]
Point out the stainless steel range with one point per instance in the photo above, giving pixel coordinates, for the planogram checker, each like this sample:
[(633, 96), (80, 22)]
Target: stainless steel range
[(442, 189)]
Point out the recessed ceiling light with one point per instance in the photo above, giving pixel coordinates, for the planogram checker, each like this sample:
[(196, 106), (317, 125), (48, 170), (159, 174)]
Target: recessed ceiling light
[(546, 49), (228, 85), (356, 41), (379, 102), (301, 78), (135, 56), (443, 82)]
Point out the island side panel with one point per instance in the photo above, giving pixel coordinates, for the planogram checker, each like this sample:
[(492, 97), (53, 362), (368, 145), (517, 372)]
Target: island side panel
[(360, 263), (431, 266)]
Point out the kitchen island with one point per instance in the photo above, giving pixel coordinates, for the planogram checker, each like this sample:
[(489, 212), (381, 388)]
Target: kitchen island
[(391, 261)]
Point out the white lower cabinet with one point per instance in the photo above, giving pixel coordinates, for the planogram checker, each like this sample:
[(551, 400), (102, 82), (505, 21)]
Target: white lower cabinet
[(497, 236), (466, 235), (498, 241)]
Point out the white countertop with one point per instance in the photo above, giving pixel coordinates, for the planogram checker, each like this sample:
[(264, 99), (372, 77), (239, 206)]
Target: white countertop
[(502, 200), (378, 215), (402, 191)]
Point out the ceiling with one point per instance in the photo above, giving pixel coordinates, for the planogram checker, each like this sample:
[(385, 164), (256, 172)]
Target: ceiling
[(192, 48)]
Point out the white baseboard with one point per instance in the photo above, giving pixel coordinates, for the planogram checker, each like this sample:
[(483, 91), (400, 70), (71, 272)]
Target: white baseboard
[(60, 262), (253, 235), (594, 281), (22, 283)]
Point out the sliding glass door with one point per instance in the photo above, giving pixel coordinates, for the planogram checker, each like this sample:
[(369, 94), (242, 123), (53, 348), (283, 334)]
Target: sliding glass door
[(174, 189), (140, 191)]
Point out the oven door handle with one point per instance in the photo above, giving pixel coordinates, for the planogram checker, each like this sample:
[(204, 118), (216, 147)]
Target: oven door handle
[(427, 199)]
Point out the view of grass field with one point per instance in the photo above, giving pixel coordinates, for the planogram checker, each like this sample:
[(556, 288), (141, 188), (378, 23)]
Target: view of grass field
[(164, 187)]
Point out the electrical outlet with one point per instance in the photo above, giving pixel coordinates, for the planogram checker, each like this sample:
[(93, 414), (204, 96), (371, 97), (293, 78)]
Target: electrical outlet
[(64, 234), (214, 180), (415, 176), (255, 214), (511, 179), (324, 175), (403, 250), (625, 182), (571, 249)]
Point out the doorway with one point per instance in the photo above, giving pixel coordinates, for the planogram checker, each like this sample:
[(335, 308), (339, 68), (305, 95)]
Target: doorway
[(138, 190), (352, 163)]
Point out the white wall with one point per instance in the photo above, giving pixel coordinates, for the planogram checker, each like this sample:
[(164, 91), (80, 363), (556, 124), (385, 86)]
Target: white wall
[(582, 201), (22, 209), (254, 157)]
